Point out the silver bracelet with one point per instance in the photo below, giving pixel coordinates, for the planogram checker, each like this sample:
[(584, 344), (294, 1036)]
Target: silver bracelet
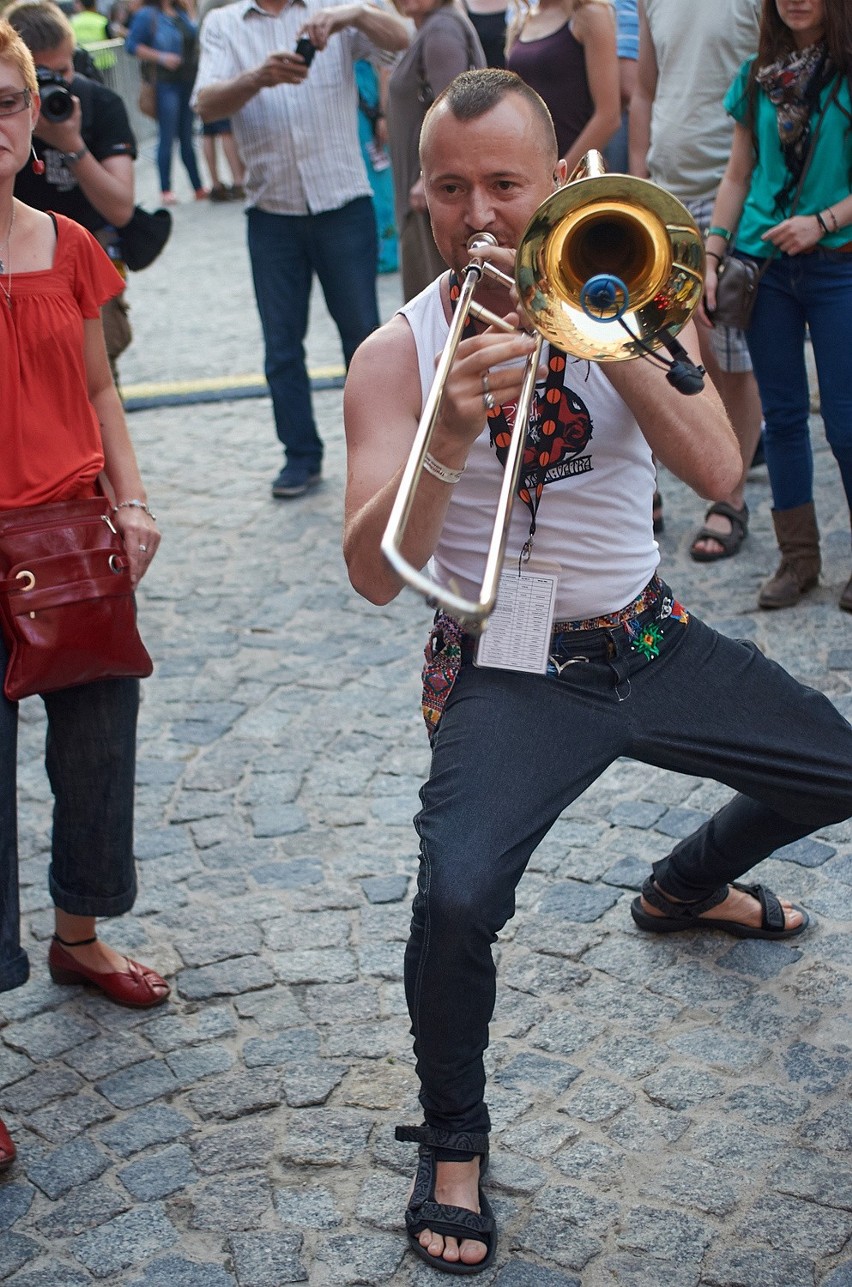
[(134, 504), (437, 470)]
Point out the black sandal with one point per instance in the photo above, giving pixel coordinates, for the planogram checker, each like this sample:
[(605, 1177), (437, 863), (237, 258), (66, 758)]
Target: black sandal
[(729, 541), (684, 916), (452, 1222)]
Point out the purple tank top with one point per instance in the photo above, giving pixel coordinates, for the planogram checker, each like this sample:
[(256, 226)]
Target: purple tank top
[(555, 67)]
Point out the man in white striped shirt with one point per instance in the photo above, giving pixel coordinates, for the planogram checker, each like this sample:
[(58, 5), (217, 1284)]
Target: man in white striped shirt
[(309, 199)]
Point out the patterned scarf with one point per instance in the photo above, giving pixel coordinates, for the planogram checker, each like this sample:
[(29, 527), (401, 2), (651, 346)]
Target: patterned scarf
[(793, 85)]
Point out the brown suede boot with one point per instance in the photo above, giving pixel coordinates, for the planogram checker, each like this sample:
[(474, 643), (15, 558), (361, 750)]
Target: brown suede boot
[(798, 541)]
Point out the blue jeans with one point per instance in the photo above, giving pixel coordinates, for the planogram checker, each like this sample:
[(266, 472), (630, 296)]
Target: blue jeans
[(175, 119), (90, 759), (341, 247), (797, 291), (514, 750)]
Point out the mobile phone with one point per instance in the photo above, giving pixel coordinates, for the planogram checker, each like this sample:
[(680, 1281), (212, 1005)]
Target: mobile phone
[(306, 48)]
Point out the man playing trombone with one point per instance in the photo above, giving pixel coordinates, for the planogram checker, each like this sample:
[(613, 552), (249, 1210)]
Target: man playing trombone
[(588, 656)]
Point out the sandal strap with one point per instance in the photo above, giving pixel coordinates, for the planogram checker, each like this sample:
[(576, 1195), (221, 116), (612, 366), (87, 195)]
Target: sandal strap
[(681, 911), (434, 1137), (773, 912), (81, 942), (450, 1222), (724, 510)]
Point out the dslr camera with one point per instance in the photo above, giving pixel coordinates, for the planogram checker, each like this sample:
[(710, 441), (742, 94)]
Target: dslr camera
[(57, 103)]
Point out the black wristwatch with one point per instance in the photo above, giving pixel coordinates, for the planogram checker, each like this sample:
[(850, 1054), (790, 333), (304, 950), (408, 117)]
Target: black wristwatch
[(71, 157)]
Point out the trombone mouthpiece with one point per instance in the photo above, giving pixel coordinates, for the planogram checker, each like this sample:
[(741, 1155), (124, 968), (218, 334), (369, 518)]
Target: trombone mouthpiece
[(481, 241)]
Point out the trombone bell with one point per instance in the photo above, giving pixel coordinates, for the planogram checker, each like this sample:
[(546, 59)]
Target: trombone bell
[(609, 228)]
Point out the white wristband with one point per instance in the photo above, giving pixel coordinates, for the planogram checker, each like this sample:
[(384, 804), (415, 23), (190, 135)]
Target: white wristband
[(437, 470)]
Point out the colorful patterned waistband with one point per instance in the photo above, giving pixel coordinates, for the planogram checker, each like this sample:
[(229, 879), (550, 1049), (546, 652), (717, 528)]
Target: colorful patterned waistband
[(649, 596)]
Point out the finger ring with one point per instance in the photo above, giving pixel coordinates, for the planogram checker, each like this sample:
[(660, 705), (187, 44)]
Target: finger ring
[(487, 395), (144, 549)]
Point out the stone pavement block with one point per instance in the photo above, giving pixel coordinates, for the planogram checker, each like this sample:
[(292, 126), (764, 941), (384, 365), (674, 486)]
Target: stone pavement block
[(240, 1146), (630, 1056), (272, 1009), (806, 1173), (806, 852), (743, 1267), (157, 1175), (177, 1272), (194, 1064), (310, 1206), (591, 1162), (818, 1071), (385, 889), (636, 813), (148, 1126), (520, 1273), (16, 1251), (40, 1088), (595, 1099), (226, 978), (791, 1224), (679, 1088), (326, 1136), (46, 1035), (361, 1258), (107, 1053), (172, 1031), (320, 929), (570, 1223), (576, 901), (315, 965), (669, 1234), (71, 1164), (729, 1054), (629, 873), (125, 1241), (760, 958), (244, 1204), (86, 1206), (133, 1087), (267, 1259), (548, 1076), (841, 1277), (235, 1094), (62, 1121), (15, 1201), (54, 1274), (311, 1083), (294, 873)]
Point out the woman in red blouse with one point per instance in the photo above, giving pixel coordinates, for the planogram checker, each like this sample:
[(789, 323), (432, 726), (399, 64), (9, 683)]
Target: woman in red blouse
[(63, 436)]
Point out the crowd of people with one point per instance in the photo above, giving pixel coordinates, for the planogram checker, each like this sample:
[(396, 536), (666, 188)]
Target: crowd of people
[(481, 115)]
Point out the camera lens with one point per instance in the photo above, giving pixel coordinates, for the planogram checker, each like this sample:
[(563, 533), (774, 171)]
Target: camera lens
[(57, 103)]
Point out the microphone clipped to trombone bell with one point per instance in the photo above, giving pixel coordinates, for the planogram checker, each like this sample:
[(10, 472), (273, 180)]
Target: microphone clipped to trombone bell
[(610, 268)]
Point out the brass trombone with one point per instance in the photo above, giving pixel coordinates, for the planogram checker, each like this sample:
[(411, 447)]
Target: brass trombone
[(609, 268)]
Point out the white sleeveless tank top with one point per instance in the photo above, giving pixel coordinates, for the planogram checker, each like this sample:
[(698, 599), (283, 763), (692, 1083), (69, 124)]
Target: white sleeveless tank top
[(594, 520)]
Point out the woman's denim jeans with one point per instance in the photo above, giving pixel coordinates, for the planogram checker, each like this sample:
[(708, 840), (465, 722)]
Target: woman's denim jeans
[(90, 759), (514, 750), (175, 119), (796, 291)]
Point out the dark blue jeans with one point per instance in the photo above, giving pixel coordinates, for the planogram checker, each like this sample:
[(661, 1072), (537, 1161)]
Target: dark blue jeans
[(797, 291), (90, 760), (175, 119), (341, 247), (514, 750)]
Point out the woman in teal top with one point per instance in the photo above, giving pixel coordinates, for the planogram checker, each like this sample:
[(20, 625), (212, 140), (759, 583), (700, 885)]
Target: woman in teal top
[(794, 98)]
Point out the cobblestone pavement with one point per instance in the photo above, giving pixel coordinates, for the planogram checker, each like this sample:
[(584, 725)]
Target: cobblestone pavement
[(666, 1112)]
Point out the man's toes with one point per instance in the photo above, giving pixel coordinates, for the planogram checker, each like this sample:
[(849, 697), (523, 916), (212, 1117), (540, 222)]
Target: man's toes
[(439, 1247), (472, 1252)]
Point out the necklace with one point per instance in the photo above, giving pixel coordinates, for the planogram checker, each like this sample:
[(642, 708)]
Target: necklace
[(7, 267)]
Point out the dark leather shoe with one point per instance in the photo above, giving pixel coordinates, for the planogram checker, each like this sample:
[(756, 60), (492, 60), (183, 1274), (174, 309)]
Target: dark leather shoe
[(7, 1148), (140, 988)]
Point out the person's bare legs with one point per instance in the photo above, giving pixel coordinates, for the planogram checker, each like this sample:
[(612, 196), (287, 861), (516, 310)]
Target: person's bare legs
[(456, 1184), (208, 144), (232, 156), (741, 400)]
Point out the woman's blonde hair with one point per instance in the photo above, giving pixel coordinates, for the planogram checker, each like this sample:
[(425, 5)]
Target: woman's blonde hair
[(13, 50)]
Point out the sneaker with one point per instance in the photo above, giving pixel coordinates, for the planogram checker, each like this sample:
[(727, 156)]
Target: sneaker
[(295, 480), (220, 193), (237, 192)]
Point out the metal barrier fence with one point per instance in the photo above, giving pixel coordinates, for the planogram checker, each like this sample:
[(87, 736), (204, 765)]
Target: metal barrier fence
[(120, 71)]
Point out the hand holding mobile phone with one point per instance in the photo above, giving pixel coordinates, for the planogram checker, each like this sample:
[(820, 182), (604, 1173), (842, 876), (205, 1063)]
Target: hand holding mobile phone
[(306, 49)]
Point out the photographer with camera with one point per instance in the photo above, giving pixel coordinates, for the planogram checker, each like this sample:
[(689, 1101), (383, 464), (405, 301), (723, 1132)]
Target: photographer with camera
[(83, 148), (284, 75)]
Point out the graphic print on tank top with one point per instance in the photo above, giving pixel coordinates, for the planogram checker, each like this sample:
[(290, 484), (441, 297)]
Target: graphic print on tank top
[(559, 431)]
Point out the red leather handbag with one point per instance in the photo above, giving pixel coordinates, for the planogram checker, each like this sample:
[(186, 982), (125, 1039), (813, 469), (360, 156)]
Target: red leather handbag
[(67, 610)]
